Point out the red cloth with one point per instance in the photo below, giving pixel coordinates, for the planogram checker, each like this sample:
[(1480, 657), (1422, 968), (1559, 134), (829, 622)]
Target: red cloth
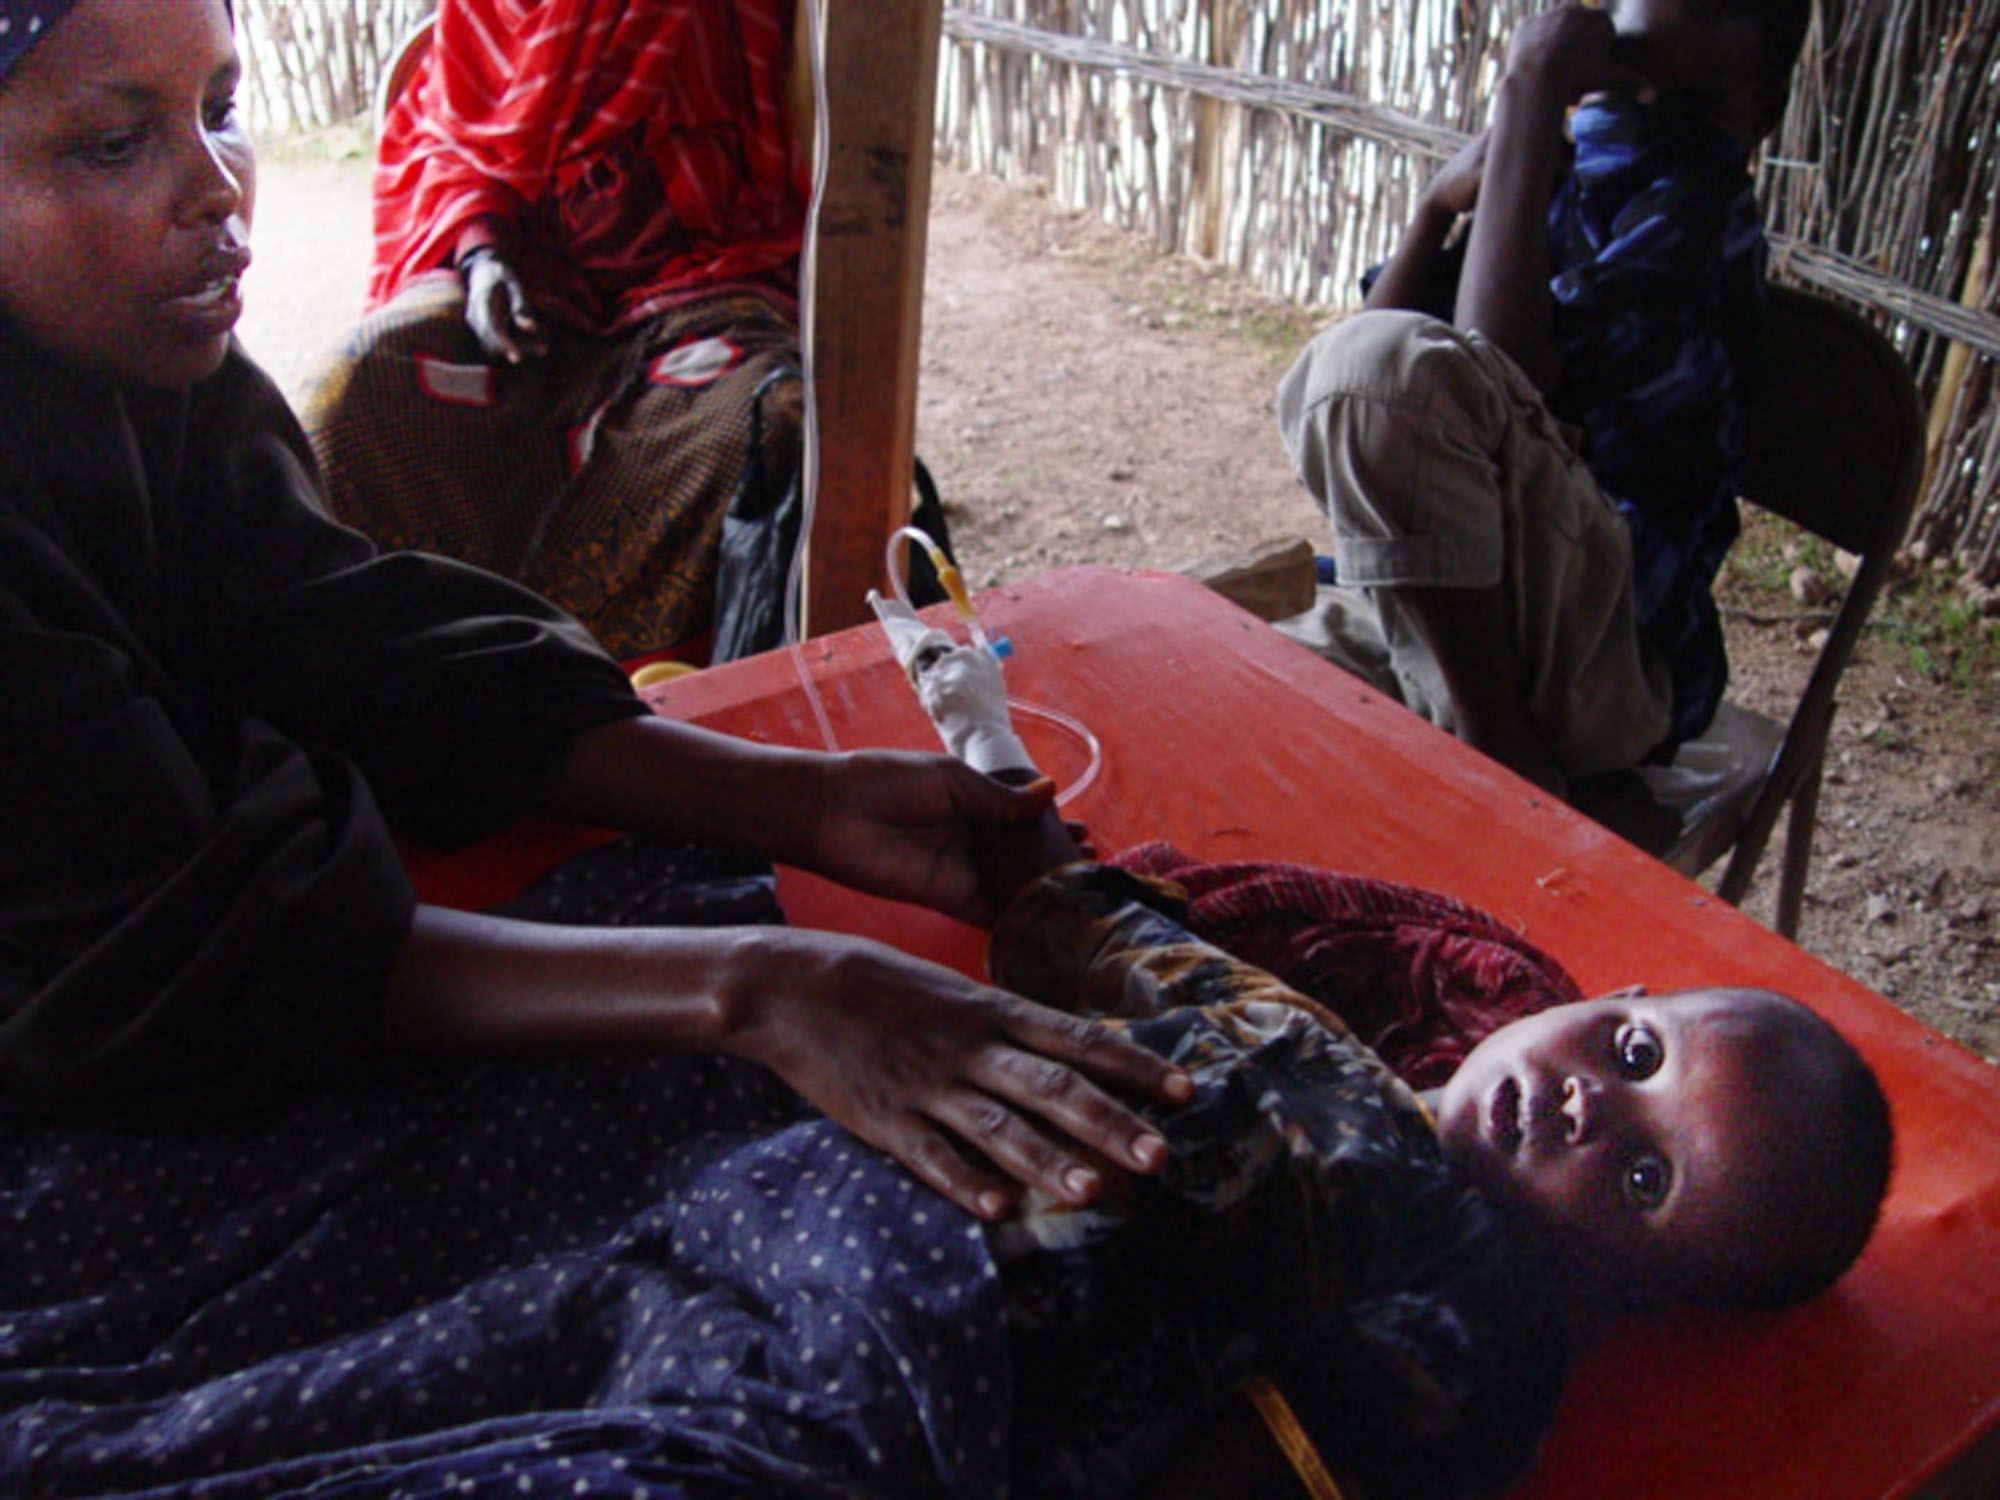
[(1420, 977), (637, 151)]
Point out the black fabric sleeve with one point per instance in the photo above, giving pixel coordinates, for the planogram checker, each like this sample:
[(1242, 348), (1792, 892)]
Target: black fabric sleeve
[(210, 695), (455, 691), (181, 928)]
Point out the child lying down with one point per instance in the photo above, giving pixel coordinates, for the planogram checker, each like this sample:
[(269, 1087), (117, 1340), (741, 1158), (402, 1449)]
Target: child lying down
[(668, 1277), (1393, 1279)]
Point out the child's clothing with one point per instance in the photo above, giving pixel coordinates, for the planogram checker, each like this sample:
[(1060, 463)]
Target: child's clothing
[(1441, 468), (1306, 1228), (1657, 279), (207, 689)]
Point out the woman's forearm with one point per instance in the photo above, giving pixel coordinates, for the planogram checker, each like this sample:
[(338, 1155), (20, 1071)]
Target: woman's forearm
[(652, 775), (973, 1089), (906, 825), (468, 983)]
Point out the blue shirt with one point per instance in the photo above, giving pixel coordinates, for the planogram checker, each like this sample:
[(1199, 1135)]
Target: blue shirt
[(1659, 264)]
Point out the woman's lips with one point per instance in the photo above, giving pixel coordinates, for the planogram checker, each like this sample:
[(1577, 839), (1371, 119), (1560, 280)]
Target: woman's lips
[(212, 302), (208, 313)]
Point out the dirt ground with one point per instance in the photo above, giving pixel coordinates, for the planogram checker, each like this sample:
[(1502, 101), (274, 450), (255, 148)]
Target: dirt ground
[(1084, 400)]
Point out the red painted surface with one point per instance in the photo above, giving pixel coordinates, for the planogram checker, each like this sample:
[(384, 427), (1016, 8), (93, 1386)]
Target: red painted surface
[(1222, 737)]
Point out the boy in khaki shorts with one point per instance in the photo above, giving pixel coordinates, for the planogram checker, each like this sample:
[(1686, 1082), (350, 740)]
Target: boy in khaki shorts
[(1528, 450)]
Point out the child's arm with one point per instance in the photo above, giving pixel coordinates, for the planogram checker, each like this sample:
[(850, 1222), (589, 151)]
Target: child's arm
[(1414, 277), (1554, 58)]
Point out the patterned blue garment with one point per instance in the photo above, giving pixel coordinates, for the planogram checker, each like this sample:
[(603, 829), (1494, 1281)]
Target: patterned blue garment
[(604, 1277), (1659, 284), (608, 1278)]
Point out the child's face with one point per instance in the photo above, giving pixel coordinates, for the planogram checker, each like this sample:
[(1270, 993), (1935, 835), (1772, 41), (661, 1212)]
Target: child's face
[(126, 182), (1624, 1132), (1684, 46)]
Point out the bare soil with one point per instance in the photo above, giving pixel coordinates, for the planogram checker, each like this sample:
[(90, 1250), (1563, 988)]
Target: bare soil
[(1084, 400)]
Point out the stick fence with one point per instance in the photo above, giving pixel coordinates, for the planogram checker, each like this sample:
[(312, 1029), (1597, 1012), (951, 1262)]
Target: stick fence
[(1286, 139)]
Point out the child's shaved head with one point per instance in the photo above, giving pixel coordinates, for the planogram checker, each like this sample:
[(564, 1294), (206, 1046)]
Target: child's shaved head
[(1723, 1146)]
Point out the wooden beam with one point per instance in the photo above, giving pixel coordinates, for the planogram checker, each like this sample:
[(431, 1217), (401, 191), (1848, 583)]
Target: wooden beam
[(879, 73)]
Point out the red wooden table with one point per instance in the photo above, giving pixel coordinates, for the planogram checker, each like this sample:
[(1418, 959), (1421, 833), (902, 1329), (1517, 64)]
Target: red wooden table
[(1195, 723)]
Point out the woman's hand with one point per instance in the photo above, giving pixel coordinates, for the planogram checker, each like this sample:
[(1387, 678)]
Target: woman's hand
[(916, 827), (977, 1091), (497, 308), (906, 825)]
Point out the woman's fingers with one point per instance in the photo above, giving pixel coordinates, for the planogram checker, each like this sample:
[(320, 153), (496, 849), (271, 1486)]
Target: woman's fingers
[(1028, 1156), (942, 1164), (1102, 1052), (1018, 1114), (1069, 1110), (979, 1149), (1033, 1108)]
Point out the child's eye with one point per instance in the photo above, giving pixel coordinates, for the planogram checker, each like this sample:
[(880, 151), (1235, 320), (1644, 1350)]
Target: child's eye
[(1639, 1051), (218, 114), (1647, 1179)]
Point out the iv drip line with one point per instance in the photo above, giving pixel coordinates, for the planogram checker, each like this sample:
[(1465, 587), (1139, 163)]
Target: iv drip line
[(809, 483)]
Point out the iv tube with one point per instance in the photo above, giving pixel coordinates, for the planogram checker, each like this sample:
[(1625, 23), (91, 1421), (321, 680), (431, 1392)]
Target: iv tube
[(809, 457), (954, 585), (809, 477)]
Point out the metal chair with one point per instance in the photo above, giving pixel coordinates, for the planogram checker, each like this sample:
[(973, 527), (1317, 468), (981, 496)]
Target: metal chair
[(1836, 446), (410, 51)]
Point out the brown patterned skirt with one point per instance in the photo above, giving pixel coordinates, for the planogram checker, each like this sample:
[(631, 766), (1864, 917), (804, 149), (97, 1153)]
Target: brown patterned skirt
[(598, 475)]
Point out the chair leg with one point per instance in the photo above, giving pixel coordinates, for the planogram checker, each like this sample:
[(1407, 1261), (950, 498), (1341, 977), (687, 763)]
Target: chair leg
[(1745, 857), (1802, 805), (1799, 828)]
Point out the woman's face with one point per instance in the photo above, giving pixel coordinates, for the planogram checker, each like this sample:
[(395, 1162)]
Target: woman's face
[(126, 186)]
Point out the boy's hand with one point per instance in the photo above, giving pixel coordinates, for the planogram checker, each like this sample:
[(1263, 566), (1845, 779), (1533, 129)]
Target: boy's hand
[(1455, 188), (1565, 53)]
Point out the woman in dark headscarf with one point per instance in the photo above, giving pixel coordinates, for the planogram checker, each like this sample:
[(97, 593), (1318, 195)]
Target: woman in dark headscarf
[(218, 705)]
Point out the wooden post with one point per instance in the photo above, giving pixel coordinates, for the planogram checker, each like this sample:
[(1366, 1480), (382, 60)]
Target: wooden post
[(879, 71)]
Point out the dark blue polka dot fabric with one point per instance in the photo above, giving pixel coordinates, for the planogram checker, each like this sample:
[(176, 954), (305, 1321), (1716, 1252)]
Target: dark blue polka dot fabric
[(597, 1277)]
